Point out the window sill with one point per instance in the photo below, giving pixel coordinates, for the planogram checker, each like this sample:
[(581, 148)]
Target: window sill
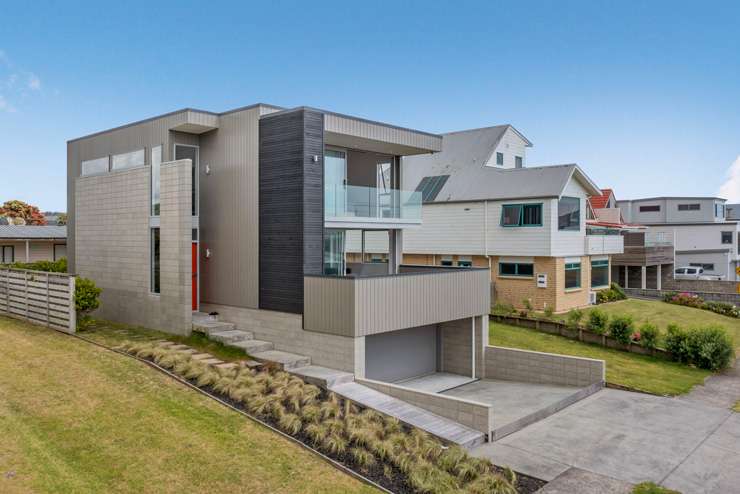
[(571, 290), (600, 287), (514, 277)]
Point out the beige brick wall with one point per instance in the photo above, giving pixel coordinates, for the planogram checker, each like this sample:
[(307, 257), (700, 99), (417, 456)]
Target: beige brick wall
[(112, 245), (545, 368)]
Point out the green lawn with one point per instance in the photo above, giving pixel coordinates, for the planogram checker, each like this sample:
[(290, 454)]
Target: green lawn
[(662, 314), (641, 372), (76, 418)]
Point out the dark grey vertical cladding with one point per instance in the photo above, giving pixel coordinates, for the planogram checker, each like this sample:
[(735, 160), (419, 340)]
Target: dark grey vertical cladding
[(291, 216)]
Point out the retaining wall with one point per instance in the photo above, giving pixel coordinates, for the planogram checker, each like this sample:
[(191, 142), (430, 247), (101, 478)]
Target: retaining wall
[(512, 364)]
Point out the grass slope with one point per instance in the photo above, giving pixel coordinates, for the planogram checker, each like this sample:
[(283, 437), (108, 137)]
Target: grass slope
[(661, 314), (76, 418), (642, 372)]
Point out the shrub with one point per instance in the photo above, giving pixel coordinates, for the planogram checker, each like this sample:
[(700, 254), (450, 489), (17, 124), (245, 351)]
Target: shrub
[(687, 299), (722, 308), (621, 329), (668, 296), (574, 318), (649, 335), (707, 348), (87, 299), (598, 321), (611, 294), (617, 291), (503, 309), (58, 266), (548, 312)]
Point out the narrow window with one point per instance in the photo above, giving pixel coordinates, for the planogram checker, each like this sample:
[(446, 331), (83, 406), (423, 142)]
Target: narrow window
[(7, 254), (94, 167), (518, 161), (156, 164), (532, 215), (569, 213), (573, 275), (128, 160), (650, 209), (500, 159), (600, 273), (689, 207), (726, 237), (183, 152), (60, 251), (154, 261)]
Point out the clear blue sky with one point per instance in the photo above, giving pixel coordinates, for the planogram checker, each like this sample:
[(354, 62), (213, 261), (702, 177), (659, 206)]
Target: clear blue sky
[(645, 96)]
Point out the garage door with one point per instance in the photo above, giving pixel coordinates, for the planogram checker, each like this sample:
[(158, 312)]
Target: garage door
[(403, 354)]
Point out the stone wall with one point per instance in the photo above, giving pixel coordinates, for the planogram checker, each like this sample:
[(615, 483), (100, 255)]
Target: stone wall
[(112, 237), (545, 368)]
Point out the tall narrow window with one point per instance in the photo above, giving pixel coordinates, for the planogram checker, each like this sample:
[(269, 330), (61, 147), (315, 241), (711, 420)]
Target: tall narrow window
[(7, 254), (500, 159), (518, 161), (599, 273), (154, 261), (572, 275), (569, 213), (156, 163), (185, 152)]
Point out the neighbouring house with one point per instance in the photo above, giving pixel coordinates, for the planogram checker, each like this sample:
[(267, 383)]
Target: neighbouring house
[(698, 228), (483, 207), (31, 243), (647, 255), (733, 211), (247, 213)]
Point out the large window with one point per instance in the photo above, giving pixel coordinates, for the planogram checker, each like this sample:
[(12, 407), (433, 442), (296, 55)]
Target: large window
[(599, 273), (650, 209), (572, 275), (7, 254), (156, 165), (569, 213), (516, 269), (154, 260), (128, 160), (726, 237), (689, 207), (521, 215), (94, 167)]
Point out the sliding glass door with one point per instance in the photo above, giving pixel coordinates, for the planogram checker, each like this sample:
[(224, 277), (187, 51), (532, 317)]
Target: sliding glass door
[(335, 182), (334, 259)]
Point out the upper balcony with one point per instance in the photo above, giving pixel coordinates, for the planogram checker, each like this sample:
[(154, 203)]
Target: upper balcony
[(603, 243), (645, 249), (355, 206), (417, 296)]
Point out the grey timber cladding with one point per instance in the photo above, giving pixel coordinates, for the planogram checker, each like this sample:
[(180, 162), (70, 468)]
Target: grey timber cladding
[(291, 206)]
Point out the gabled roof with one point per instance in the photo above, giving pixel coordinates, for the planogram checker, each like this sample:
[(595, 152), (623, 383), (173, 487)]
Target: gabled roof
[(600, 201), (463, 157), (33, 232)]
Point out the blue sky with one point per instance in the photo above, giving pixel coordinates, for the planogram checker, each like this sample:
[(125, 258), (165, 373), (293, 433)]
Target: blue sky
[(645, 96)]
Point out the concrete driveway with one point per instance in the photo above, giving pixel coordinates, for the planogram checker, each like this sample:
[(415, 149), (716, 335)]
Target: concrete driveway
[(681, 444)]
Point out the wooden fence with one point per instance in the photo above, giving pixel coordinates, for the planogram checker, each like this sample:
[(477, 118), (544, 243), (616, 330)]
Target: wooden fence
[(39, 297)]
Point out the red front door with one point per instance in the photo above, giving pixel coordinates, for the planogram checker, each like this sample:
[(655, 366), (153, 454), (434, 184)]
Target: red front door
[(195, 275)]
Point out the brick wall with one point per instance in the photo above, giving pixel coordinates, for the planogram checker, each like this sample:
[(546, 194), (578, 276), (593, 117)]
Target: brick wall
[(535, 367), (112, 245)]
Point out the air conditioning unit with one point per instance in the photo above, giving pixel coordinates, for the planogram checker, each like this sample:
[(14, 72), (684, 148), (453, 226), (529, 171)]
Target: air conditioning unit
[(592, 298)]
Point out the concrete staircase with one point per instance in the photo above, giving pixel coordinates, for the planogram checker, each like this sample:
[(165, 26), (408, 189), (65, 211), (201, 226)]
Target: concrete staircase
[(337, 381)]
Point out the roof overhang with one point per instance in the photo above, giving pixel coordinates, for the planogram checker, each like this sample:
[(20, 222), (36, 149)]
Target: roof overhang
[(195, 122)]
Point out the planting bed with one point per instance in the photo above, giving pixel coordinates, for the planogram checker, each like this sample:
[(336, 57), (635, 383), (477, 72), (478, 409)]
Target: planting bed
[(399, 458)]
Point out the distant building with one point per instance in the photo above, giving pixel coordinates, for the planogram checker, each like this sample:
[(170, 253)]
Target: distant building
[(733, 211), (31, 243)]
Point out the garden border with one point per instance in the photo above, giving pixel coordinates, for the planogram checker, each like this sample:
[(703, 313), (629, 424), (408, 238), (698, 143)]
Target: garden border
[(580, 334)]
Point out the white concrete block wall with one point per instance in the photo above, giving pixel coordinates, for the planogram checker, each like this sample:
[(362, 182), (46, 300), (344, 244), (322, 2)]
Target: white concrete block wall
[(545, 368)]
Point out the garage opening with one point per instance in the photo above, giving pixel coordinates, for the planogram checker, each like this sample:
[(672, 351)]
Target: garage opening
[(403, 354)]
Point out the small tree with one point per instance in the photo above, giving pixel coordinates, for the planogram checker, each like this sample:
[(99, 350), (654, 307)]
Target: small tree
[(18, 212)]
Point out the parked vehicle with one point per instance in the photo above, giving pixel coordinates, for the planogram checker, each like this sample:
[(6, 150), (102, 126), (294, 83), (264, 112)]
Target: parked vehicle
[(693, 273)]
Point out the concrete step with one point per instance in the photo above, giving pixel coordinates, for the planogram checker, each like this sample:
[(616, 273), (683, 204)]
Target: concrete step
[(443, 428), (287, 361), (231, 336), (209, 326), (253, 346), (323, 376)]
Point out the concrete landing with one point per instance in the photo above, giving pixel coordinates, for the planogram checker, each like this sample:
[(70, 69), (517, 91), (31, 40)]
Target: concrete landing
[(437, 382), (323, 377), (440, 427)]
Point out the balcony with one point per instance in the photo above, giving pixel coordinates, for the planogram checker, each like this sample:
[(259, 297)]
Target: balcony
[(417, 296), (645, 249), (354, 206), (604, 244)]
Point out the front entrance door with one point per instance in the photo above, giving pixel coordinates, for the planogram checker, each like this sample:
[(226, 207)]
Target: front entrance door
[(195, 275)]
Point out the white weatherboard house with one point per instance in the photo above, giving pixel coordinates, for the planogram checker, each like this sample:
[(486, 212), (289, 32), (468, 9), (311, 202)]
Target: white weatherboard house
[(698, 226)]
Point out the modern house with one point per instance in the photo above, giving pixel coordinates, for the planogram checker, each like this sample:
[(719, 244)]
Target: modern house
[(483, 207), (647, 255), (31, 243), (698, 228), (247, 213)]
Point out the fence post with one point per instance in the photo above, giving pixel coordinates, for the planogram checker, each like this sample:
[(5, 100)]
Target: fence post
[(72, 310), (48, 302), (25, 278)]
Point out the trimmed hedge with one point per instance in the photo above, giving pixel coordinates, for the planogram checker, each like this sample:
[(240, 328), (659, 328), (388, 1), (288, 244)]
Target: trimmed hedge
[(707, 348)]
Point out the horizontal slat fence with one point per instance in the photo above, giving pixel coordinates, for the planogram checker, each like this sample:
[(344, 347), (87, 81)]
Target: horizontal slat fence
[(39, 297)]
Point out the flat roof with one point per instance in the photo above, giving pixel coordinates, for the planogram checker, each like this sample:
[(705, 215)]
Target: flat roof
[(673, 198)]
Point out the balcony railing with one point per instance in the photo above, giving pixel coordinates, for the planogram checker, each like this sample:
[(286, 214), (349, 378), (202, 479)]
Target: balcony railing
[(418, 296), (604, 244), (359, 203)]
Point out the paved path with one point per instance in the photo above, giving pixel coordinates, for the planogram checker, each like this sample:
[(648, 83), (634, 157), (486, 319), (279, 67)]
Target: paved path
[(632, 437), (721, 390)]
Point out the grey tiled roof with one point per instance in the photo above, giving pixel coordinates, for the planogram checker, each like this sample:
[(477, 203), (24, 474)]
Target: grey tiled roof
[(31, 232)]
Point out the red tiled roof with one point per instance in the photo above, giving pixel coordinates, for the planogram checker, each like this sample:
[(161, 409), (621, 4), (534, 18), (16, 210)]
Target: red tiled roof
[(599, 202)]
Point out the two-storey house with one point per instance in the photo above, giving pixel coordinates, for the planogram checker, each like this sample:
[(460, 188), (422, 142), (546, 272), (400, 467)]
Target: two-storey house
[(698, 227)]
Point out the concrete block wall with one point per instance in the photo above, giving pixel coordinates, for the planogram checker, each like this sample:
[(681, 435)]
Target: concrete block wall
[(112, 248), (544, 368), (286, 332), (457, 347), (478, 416)]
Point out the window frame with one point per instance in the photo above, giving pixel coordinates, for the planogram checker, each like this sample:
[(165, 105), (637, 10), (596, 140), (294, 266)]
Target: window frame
[(726, 238), (516, 269), (522, 206), (155, 207), (574, 266), (694, 206), (501, 161), (580, 208), (107, 167), (141, 164), (649, 208), (600, 263)]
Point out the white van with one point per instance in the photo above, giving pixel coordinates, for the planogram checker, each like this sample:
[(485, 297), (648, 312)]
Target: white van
[(693, 273)]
